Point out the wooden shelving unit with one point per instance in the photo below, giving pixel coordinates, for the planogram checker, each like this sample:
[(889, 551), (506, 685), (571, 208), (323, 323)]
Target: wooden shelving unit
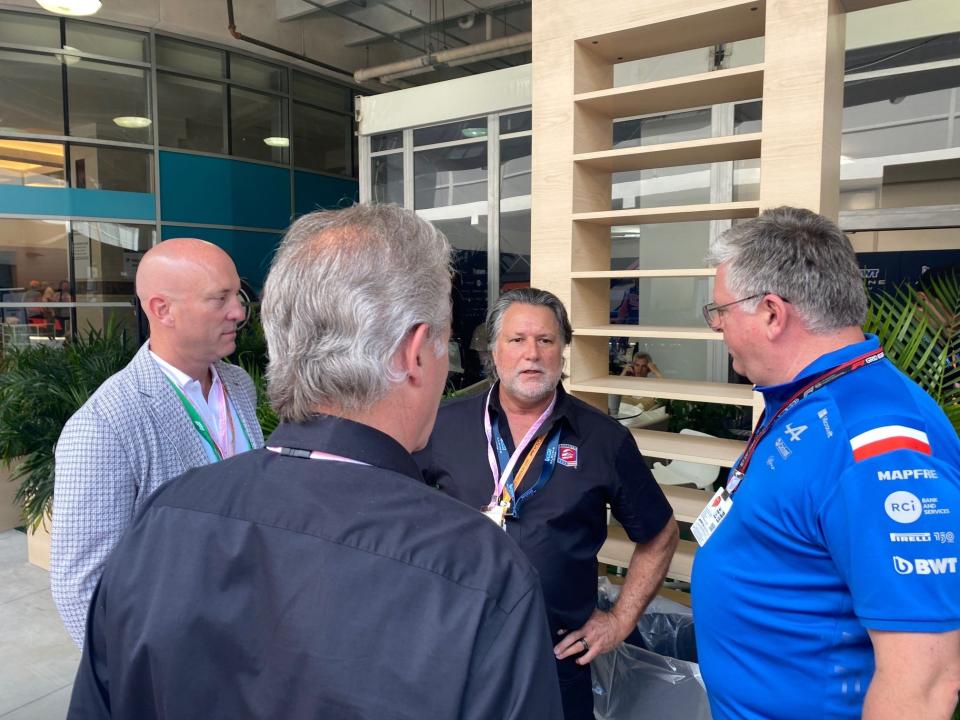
[(799, 82), (618, 549)]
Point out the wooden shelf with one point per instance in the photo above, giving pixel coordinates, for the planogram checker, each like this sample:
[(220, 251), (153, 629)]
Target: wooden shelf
[(690, 390), (681, 213), (692, 448), (615, 274), (710, 88), (689, 32), (649, 331), (618, 549), (687, 503), (690, 152)]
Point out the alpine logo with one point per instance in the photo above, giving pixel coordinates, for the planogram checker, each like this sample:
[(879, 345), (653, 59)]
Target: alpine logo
[(925, 566), (567, 455), (795, 432)]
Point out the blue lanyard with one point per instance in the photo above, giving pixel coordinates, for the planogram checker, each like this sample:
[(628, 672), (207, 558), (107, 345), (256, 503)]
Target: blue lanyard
[(549, 464)]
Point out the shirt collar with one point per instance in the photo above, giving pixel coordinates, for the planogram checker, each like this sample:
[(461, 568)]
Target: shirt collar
[(339, 436), (563, 409), (774, 393), (179, 377)]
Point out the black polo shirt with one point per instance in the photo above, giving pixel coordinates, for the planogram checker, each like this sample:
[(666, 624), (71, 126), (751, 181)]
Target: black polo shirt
[(271, 586), (562, 527)]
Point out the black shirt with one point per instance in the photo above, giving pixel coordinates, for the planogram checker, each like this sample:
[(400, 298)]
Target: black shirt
[(562, 527), (271, 586)]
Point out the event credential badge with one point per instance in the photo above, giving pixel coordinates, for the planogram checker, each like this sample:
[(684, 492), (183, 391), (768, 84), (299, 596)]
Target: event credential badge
[(711, 516)]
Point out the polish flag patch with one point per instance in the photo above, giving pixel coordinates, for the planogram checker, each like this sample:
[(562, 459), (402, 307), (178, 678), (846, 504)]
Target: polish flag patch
[(887, 439), (567, 455)]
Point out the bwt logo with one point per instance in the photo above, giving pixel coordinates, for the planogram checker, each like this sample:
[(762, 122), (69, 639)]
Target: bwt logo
[(925, 566), (903, 507)]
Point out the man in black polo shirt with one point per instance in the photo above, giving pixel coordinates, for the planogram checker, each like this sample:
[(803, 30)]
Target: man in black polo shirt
[(319, 577), (545, 465)]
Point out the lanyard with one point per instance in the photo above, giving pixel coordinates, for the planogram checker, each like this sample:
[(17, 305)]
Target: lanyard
[(201, 427), (549, 464), (495, 440), (740, 470)]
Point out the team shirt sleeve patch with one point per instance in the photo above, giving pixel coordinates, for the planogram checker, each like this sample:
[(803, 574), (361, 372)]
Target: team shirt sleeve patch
[(888, 438)]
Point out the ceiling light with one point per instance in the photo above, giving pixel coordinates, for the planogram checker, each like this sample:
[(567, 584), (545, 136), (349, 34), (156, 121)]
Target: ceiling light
[(70, 7), (132, 121), (474, 132), (277, 141)]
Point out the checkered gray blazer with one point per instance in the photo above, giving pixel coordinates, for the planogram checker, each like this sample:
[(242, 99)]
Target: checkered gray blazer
[(129, 438)]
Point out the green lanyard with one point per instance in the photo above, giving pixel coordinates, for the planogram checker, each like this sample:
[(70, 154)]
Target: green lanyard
[(200, 426)]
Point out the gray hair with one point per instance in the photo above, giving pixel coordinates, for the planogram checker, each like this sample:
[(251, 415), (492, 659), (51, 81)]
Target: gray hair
[(344, 290), (527, 296), (800, 256)]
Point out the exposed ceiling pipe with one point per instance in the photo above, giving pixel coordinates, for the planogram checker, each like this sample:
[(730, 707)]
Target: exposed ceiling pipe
[(232, 27), (510, 45)]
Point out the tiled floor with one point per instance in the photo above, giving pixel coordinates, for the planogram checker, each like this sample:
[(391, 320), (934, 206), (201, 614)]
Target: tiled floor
[(37, 658)]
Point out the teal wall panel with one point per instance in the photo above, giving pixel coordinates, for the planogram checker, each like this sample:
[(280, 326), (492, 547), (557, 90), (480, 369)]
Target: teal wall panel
[(77, 203), (251, 251), (223, 191), (314, 192)]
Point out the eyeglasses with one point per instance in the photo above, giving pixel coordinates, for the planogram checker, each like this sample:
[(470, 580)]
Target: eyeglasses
[(711, 311)]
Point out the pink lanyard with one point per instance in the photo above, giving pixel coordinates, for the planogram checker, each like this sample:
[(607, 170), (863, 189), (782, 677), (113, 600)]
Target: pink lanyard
[(500, 479)]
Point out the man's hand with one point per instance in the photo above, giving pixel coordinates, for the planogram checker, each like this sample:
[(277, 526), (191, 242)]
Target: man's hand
[(601, 634)]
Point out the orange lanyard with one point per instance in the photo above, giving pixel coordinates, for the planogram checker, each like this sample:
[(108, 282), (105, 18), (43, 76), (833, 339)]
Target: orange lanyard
[(518, 478)]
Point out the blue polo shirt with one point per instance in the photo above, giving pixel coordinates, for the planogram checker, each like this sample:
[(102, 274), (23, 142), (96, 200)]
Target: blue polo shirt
[(845, 521), (562, 527)]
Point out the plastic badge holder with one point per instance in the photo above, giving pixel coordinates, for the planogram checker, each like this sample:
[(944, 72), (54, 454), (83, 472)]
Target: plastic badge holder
[(654, 675)]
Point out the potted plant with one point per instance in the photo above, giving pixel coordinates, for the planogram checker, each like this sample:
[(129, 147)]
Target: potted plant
[(40, 388)]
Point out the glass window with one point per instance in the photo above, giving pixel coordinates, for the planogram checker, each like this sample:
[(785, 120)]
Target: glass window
[(105, 259), (32, 90), (190, 58), (38, 30), (108, 102), (461, 130), (518, 122), (659, 246), (258, 74), (108, 168), (387, 141), (110, 41), (386, 182), (258, 124), (514, 212), (450, 190), (321, 140), (661, 187), (33, 164), (33, 258), (672, 127), (315, 91), (191, 113)]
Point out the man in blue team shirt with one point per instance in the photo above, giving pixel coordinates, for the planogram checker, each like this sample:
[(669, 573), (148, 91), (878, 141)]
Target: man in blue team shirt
[(830, 587)]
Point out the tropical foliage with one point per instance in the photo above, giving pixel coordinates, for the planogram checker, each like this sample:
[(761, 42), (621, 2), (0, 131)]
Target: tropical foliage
[(40, 388), (919, 330)]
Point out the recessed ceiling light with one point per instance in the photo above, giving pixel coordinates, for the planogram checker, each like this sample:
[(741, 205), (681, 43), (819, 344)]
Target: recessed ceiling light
[(277, 141), (70, 7), (474, 132), (132, 121)]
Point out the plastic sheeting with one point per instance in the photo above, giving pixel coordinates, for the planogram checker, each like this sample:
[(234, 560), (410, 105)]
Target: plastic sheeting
[(654, 674)]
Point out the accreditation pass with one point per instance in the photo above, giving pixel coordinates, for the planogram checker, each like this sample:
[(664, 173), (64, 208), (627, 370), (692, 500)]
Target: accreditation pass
[(711, 516)]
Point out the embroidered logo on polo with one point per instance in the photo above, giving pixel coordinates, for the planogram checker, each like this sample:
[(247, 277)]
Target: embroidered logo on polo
[(567, 455)]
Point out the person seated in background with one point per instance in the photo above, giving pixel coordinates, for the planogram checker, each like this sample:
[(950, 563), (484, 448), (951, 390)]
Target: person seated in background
[(641, 366), (34, 293)]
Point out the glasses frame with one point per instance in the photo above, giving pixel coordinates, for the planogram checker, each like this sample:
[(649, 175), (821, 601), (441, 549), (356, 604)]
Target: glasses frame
[(712, 310)]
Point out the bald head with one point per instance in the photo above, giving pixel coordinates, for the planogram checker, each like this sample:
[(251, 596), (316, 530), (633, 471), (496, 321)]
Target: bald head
[(188, 289)]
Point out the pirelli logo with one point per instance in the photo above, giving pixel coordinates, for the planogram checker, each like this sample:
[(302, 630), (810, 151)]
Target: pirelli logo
[(920, 537)]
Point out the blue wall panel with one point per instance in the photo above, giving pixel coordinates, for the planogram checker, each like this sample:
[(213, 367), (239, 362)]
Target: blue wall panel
[(313, 192), (251, 251), (222, 191), (77, 203)]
